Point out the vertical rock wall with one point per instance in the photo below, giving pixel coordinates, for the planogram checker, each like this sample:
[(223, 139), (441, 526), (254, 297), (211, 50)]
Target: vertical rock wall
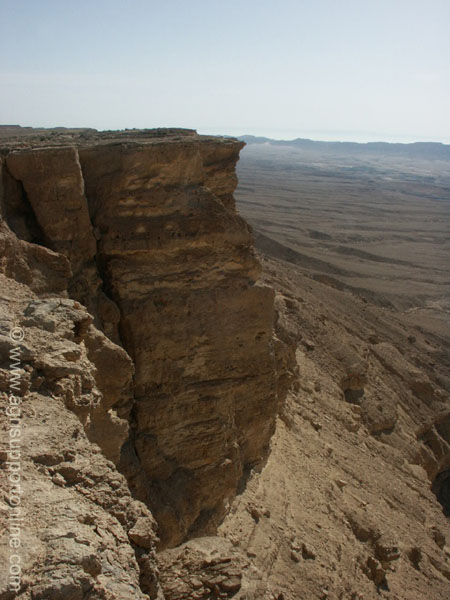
[(166, 266)]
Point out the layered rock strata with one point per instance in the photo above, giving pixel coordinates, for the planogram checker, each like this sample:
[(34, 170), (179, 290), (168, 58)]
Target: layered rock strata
[(144, 228)]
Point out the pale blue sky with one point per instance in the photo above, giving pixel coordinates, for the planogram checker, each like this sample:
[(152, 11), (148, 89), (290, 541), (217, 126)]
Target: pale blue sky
[(326, 69)]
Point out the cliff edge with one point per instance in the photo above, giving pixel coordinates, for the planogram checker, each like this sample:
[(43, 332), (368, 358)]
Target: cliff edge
[(147, 357)]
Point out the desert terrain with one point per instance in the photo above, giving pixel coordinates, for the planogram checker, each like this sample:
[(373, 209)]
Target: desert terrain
[(196, 423), (372, 222), (353, 500)]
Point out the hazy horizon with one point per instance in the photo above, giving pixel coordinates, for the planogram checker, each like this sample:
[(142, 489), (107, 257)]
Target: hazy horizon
[(286, 136), (323, 70), (324, 136)]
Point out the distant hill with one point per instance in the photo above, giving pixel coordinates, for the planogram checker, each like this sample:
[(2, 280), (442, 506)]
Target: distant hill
[(425, 150)]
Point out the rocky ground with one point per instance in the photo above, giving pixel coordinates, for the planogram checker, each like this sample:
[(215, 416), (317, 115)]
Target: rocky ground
[(344, 506), (350, 499)]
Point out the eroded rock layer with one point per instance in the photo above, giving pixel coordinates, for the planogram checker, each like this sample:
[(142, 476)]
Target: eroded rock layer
[(146, 223)]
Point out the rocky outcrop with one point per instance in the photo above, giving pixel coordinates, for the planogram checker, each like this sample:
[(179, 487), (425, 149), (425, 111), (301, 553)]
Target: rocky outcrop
[(139, 370), (177, 261), (51, 187), (70, 527), (171, 371)]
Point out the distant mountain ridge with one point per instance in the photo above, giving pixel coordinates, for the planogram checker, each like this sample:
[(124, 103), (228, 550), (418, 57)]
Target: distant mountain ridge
[(427, 150)]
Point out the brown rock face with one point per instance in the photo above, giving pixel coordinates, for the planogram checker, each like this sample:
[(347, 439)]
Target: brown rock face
[(53, 184), (66, 512), (178, 262), (164, 263)]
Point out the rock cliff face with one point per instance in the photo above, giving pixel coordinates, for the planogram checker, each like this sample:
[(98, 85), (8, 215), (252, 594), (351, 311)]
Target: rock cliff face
[(173, 371), (140, 380)]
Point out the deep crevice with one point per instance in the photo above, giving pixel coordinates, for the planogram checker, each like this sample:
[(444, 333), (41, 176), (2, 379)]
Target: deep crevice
[(19, 213), (441, 489), (128, 464), (353, 396), (101, 266)]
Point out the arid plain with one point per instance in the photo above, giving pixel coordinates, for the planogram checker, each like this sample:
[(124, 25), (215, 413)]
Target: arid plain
[(374, 222)]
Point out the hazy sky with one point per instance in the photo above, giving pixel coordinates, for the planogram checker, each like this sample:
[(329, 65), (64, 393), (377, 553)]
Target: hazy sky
[(327, 69)]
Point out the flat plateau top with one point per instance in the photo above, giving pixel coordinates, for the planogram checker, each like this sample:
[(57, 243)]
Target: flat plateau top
[(15, 137)]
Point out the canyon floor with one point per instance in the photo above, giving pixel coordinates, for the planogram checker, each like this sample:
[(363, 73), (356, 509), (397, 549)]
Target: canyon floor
[(358, 249)]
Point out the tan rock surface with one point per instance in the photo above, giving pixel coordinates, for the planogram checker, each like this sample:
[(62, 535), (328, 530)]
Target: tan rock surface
[(177, 274), (176, 377), (145, 234), (75, 515), (53, 187)]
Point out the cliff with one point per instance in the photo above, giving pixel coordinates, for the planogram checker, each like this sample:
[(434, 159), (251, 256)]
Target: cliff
[(160, 437), (134, 281)]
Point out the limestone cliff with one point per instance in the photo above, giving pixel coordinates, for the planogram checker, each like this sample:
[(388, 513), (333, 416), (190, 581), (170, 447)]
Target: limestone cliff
[(173, 369)]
